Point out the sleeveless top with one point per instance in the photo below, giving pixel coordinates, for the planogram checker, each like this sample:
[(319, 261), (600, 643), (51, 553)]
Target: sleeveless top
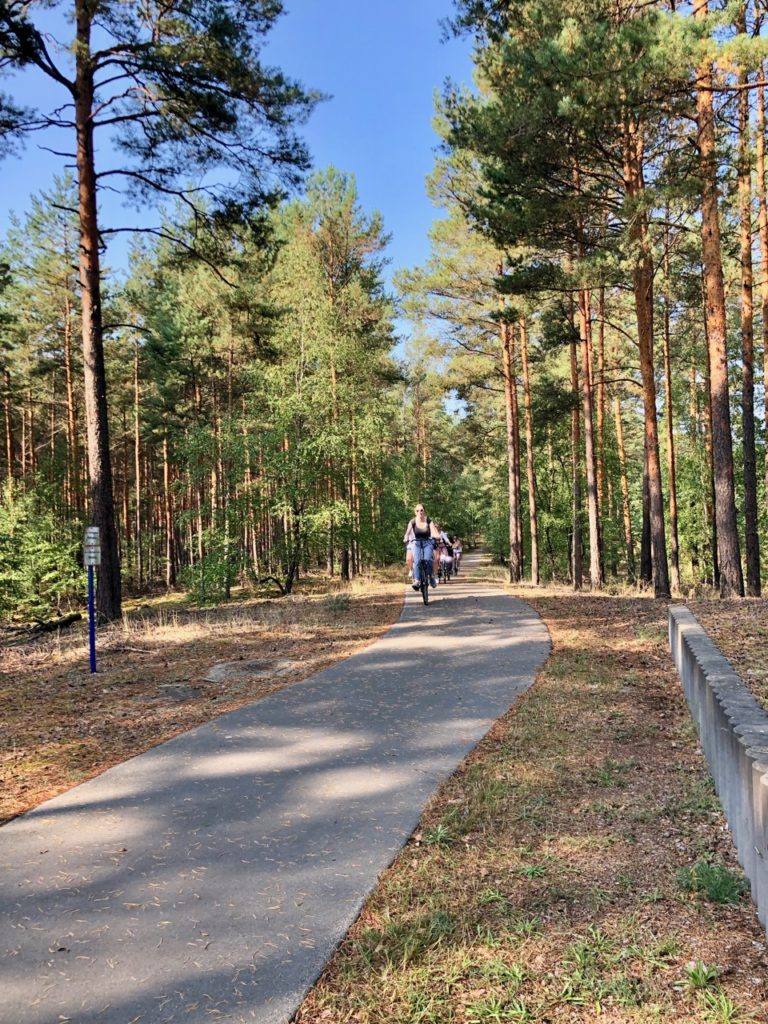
[(421, 532)]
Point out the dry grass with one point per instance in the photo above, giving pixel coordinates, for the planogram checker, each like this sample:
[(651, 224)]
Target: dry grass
[(551, 879), (61, 725), (740, 629)]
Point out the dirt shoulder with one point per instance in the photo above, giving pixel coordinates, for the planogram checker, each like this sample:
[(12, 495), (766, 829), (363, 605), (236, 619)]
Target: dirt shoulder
[(60, 725), (570, 870)]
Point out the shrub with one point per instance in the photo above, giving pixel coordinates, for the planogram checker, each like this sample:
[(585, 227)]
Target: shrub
[(39, 555)]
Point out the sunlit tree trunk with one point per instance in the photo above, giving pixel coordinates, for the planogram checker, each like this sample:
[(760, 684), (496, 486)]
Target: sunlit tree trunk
[(642, 282), (97, 421), (530, 466), (30, 460), (674, 546), (73, 456), (52, 432), (629, 545), (601, 401), (709, 502), (731, 579), (646, 548), (138, 539), (763, 237), (515, 567), (170, 548), (595, 547), (751, 539), (8, 426), (576, 539), (520, 558)]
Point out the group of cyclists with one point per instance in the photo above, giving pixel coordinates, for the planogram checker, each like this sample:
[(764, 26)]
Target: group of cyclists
[(436, 547)]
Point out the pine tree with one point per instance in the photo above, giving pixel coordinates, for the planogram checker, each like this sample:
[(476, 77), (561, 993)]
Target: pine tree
[(182, 88)]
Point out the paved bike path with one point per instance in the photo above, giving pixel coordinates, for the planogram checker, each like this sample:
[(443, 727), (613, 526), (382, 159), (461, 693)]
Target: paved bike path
[(209, 879)]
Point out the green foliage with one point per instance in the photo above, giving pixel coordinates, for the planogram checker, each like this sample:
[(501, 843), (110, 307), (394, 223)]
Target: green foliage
[(701, 976), (714, 881), (440, 835), (39, 563), (210, 578), (213, 105), (400, 943)]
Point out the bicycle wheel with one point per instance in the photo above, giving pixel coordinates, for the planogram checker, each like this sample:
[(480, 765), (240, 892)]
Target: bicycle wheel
[(424, 571)]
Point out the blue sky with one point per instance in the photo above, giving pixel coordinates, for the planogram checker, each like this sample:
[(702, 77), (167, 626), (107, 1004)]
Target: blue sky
[(381, 65)]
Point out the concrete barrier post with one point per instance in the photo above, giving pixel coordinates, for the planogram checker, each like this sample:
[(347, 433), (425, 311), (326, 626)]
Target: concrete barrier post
[(733, 731)]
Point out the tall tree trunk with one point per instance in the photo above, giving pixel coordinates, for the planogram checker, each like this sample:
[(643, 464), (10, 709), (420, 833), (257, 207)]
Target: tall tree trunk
[(97, 422), (31, 459), (251, 541), (629, 544), (671, 462), (731, 579), (520, 553), (751, 539), (138, 539), (530, 467), (595, 545), (8, 426), (515, 568), (601, 401), (585, 335), (763, 236), (709, 501), (73, 454), (170, 547), (576, 538), (354, 496), (123, 486), (642, 283), (646, 547), (52, 432)]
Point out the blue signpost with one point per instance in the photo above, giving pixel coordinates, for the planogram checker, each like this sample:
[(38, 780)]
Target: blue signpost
[(91, 558)]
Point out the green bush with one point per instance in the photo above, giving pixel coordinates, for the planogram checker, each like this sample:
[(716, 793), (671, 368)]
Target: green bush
[(210, 578), (39, 556)]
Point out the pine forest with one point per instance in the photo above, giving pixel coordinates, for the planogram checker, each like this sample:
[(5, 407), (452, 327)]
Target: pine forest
[(575, 377)]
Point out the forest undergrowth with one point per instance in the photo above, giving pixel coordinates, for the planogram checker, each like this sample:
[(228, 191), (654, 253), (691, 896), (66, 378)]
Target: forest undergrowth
[(576, 868)]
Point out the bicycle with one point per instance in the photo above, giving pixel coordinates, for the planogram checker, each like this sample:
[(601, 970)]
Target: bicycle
[(444, 570), (424, 570)]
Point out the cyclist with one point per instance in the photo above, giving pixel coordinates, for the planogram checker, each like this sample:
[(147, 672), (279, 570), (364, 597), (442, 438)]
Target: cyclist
[(421, 528), (445, 554), (457, 552)]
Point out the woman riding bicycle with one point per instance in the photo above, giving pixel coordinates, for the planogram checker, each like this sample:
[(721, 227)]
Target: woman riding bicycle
[(444, 555), (457, 553), (421, 529)]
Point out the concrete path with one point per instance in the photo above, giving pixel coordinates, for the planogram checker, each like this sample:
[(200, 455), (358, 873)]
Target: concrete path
[(210, 879)]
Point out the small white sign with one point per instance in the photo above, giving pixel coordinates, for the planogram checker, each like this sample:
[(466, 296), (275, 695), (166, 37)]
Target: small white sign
[(91, 546)]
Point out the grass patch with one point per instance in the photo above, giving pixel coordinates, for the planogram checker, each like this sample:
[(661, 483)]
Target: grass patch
[(714, 882), (400, 943)]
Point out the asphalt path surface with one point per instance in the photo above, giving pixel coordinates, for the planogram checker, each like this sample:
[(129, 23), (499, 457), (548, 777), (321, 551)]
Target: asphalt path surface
[(210, 878)]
